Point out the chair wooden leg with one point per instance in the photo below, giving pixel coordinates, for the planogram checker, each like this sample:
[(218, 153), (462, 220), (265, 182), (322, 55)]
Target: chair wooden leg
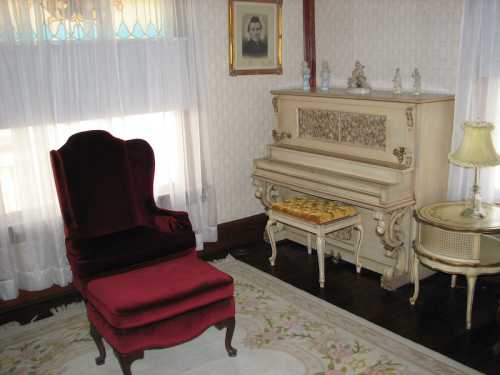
[(229, 324), (126, 360), (100, 345), (270, 234)]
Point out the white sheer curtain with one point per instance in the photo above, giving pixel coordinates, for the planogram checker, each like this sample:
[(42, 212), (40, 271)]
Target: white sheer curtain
[(478, 91), (125, 66)]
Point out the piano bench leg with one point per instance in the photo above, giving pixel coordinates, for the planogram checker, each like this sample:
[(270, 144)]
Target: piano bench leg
[(309, 243), (270, 234), (320, 249), (359, 229)]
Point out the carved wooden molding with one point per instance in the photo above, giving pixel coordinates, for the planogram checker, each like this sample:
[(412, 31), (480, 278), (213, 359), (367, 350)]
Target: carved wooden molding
[(279, 136), (410, 122), (404, 157), (343, 127), (389, 230)]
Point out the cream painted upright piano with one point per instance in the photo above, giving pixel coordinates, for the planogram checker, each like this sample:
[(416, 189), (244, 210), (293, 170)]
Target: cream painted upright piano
[(385, 154)]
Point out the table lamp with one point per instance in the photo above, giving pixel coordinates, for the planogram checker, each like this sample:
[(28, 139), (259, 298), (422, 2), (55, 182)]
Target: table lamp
[(476, 151)]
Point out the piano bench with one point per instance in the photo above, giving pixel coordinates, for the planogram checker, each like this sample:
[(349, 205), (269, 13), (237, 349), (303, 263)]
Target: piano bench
[(315, 216)]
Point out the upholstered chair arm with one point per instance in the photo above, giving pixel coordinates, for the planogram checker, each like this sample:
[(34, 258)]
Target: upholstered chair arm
[(170, 220)]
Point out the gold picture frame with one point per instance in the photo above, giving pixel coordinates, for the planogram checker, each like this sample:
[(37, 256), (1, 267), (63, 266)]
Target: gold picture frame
[(255, 37)]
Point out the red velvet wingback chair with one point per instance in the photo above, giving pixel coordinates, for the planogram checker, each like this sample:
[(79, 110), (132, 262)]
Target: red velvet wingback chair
[(134, 263)]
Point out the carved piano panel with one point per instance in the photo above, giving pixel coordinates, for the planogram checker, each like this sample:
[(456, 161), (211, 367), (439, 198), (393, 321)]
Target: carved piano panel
[(384, 154)]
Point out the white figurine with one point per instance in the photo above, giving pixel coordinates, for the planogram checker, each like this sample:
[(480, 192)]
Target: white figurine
[(325, 76), (357, 83), (397, 82), (417, 82), (306, 75)]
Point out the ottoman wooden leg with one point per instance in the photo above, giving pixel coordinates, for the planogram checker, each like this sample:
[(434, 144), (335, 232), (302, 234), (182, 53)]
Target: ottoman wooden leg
[(359, 229), (100, 345), (229, 324)]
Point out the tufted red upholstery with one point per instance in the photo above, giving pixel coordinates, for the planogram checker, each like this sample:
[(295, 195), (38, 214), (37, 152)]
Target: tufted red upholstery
[(134, 263)]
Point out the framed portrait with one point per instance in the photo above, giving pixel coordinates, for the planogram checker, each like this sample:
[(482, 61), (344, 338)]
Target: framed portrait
[(255, 37)]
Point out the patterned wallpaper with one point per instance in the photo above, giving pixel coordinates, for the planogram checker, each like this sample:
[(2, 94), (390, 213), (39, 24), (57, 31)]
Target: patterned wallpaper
[(383, 34), (386, 34), (238, 110)]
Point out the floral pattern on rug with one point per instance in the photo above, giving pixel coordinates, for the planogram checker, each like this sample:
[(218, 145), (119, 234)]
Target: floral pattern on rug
[(270, 315), (286, 323)]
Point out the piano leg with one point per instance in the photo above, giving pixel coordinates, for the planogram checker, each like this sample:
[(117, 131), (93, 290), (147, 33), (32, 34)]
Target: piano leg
[(359, 229), (270, 234), (320, 249)]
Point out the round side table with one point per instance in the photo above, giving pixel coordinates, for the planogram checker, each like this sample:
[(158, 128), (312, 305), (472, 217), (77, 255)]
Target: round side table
[(449, 242)]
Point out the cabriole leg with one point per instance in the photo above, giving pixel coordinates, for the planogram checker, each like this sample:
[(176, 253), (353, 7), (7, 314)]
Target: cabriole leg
[(270, 234), (359, 229), (126, 360), (471, 285), (100, 345), (416, 280), (229, 324)]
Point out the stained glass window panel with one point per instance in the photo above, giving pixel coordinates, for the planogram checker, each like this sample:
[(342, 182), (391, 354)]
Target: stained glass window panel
[(74, 20)]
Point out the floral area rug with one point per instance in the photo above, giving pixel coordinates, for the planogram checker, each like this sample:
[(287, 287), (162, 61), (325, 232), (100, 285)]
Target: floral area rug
[(280, 330)]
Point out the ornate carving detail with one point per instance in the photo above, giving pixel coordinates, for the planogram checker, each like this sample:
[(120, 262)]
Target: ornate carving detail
[(342, 235), (318, 123), (403, 155), (410, 122), (343, 127), (389, 229), (266, 193), (275, 104), (279, 136)]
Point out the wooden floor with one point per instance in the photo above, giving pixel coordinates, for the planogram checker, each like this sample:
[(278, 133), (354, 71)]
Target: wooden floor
[(437, 321)]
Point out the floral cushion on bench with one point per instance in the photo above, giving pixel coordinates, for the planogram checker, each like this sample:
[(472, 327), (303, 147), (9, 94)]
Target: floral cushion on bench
[(317, 210)]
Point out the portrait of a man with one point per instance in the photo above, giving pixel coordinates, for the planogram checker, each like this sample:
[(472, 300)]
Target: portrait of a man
[(255, 38)]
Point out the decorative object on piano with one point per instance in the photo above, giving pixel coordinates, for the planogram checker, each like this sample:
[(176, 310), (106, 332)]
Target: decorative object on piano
[(306, 75), (325, 76), (255, 37), (275, 104), (397, 82), (417, 82), (357, 83), (477, 150), (279, 136)]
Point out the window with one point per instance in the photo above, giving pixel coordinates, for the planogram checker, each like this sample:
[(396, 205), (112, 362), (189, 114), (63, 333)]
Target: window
[(76, 20)]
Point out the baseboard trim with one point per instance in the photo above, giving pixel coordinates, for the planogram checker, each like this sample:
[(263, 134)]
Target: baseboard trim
[(234, 235)]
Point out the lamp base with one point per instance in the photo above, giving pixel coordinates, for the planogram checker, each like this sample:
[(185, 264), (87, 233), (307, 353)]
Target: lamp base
[(475, 214)]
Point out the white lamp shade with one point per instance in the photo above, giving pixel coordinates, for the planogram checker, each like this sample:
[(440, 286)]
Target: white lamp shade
[(477, 149)]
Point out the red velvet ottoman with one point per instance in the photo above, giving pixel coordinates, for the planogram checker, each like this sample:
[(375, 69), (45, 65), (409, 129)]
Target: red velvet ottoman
[(159, 306)]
